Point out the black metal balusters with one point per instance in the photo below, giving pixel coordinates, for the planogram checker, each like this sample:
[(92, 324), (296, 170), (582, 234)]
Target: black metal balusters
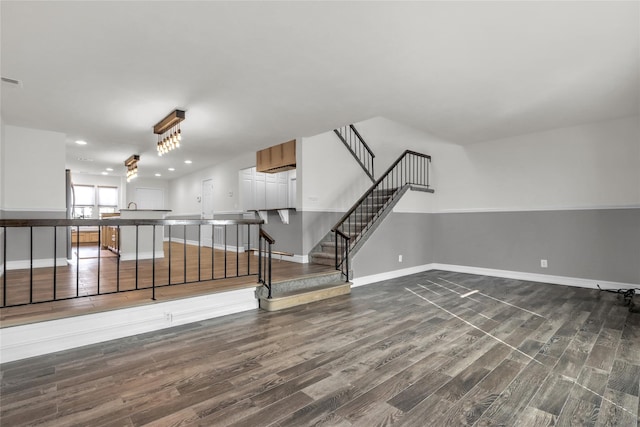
[(135, 264), (405, 171)]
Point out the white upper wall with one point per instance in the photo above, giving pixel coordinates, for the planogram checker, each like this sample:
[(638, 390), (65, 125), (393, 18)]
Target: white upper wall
[(184, 192), (331, 180), (131, 191), (596, 165), (33, 168)]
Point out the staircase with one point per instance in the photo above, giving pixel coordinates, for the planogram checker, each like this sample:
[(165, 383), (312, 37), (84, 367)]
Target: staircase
[(409, 172), (373, 207), (288, 294)]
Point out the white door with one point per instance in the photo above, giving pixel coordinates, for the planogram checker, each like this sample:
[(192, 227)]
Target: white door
[(206, 211), (246, 188)]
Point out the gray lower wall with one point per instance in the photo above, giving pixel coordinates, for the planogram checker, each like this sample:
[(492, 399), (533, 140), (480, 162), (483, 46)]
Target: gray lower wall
[(288, 237), (19, 242), (316, 225), (598, 244), (408, 234)]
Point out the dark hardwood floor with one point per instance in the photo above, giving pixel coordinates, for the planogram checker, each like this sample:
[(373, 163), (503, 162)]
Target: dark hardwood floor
[(414, 351), (226, 265)]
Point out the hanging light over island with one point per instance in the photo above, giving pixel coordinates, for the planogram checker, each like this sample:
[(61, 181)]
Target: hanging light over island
[(168, 131)]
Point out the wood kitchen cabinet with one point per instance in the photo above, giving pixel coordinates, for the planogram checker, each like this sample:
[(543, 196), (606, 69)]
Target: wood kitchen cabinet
[(278, 158), (84, 236), (110, 239)]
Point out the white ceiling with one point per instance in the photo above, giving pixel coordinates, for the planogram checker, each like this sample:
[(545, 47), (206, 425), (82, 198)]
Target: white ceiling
[(254, 74)]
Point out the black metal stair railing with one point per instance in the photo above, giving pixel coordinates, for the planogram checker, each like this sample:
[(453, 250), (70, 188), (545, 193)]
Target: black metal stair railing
[(30, 272), (264, 259), (410, 169), (358, 148)]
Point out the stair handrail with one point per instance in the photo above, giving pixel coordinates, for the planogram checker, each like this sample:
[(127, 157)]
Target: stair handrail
[(375, 184), (364, 143), (342, 263), (368, 167), (268, 241)]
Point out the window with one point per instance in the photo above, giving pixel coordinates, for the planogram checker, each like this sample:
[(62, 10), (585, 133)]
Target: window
[(86, 205), (84, 201), (107, 200)]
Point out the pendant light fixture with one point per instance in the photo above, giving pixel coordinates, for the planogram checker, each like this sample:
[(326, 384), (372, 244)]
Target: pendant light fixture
[(132, 166), (168, 131)]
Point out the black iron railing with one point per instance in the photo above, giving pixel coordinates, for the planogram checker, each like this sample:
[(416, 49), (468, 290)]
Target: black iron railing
[(410, 169), (356, 145), (264, 259), (130, 255)]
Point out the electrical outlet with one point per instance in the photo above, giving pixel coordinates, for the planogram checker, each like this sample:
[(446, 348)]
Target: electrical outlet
[(168, 317), (543, 263), (399, 258)]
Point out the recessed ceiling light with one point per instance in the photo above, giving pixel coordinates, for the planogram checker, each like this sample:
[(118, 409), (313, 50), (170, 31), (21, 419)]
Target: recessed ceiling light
[(105, 173), (158, 174), (110, 169), (188, 162), (81, 142), (172, 169)]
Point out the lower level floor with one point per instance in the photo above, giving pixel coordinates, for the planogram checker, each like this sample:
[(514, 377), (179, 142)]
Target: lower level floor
[(433, 348)]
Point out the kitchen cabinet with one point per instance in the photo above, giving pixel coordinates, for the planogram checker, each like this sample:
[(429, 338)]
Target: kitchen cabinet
[(111, 239), (264, 191), (278, 158), (84, 236)]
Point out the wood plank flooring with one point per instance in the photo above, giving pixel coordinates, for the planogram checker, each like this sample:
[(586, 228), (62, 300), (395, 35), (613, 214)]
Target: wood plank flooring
[(412, 351), (66, 286)]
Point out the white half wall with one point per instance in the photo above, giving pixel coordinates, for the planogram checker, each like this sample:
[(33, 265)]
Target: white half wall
[(35, 339)]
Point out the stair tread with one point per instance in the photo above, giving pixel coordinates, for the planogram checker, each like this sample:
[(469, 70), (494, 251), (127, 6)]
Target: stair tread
[(322, 254), (311, 289)]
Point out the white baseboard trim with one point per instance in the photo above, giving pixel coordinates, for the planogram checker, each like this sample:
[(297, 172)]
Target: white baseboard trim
[(534, 277), (507, 274), (141, 255), (300, 259), (230, 248), (374, 278), (37, 263), (178, 240), (20, 342)]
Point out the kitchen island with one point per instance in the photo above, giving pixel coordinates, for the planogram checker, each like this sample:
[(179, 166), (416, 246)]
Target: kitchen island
[(122, 240)]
